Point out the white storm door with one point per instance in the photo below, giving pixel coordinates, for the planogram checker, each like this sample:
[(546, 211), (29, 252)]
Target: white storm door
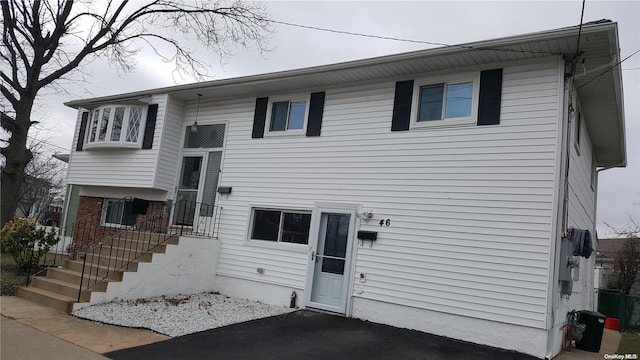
[(187, 194), (330, 261)]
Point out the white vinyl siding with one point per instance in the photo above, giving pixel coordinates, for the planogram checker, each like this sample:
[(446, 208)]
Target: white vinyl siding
[(133, 168), (582, 210), (470, 208), (170, 143)]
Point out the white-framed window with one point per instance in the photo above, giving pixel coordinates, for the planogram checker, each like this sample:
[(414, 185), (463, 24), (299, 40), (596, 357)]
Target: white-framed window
[(116, 125), (280, 226), (117, 213), (446, 100), (287, 115)]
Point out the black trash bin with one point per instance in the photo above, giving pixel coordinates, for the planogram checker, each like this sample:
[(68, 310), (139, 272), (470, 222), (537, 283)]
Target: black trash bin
[(592, 336)]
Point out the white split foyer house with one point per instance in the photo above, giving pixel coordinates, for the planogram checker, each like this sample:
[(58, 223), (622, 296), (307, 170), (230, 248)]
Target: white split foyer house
[(429, 190)]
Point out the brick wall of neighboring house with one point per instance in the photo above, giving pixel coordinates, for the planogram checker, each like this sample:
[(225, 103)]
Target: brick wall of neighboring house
[(88, 230)]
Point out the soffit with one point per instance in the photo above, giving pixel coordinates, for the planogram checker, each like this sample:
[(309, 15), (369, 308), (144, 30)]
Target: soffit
[(601, 98)]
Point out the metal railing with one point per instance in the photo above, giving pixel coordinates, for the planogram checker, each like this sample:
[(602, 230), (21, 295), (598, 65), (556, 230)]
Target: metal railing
[(120, 249), (65, 248)]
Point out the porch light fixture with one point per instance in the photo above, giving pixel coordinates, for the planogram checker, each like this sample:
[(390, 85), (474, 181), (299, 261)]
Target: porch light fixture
[(194, 127)]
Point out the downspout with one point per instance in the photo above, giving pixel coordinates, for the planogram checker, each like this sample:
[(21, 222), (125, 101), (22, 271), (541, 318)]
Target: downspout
[(562, 192)]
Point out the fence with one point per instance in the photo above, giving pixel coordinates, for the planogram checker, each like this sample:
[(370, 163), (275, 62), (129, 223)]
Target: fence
[(615, 304)]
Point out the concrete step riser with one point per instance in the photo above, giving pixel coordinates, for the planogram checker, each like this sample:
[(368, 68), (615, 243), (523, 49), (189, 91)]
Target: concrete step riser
[(74, 278), (59, 289), (125, 252), (66, 289), (113, 260), (96, 266), (145, 237), (43, 299)]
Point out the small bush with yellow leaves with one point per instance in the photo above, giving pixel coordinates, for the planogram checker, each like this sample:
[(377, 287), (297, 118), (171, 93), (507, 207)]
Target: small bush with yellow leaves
[(26, 243)]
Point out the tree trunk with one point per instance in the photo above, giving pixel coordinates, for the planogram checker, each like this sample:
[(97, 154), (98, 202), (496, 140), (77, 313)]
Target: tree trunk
[(17, 156)]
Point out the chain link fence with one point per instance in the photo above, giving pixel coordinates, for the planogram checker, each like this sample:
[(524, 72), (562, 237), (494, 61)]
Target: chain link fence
[(615, 304)]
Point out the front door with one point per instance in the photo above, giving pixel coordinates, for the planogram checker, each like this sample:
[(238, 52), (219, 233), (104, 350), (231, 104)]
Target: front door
[(196, 195), (330, 261)]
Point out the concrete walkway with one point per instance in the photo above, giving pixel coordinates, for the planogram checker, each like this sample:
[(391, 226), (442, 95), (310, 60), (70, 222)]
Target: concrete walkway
[(65, 336), (609, 345)]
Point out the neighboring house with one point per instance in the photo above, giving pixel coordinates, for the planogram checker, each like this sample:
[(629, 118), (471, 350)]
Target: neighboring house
[(607, 249), (35, 197), (428, 190)]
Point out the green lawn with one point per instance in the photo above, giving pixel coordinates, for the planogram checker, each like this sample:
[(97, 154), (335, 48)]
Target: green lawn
[(10, 275), (630, 343)]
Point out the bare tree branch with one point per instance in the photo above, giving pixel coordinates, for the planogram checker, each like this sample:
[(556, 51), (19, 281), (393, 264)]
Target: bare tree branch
[(45, 42)]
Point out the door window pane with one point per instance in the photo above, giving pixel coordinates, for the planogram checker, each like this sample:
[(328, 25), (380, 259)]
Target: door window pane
[(459, 100), (190, 172), (431, 98), (266, 224), (295, 228), (210, 184), (185, 208), (335, 243)]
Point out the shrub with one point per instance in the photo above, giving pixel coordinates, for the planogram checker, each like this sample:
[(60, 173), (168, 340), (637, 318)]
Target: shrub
[(25, 243)]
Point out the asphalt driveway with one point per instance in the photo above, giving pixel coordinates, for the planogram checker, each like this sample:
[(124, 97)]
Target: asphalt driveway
[(311, 335)]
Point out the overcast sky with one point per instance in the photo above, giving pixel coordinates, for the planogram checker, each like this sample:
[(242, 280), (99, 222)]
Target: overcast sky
[(450, 22)]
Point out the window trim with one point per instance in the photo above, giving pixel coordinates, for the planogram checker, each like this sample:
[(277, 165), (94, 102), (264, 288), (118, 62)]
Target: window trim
[(289, 98), (279, 243), (103, 217), (107, 142), (473, 77)]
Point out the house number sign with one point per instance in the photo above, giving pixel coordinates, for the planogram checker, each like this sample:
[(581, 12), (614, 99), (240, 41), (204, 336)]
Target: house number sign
[(385, 222)]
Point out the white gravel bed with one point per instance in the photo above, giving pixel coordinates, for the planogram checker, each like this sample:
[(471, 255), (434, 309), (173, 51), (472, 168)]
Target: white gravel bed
[(181, 314)]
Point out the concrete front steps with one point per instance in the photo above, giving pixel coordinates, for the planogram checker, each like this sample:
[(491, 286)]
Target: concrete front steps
[(59, 289)]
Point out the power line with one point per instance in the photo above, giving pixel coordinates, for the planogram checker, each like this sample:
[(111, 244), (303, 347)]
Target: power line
[(599, 76), (409, 40), (580, 30), (48, 143), (608, 69)]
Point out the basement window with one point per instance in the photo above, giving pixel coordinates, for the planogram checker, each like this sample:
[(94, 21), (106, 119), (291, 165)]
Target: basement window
[(286, 226), (117, 213)]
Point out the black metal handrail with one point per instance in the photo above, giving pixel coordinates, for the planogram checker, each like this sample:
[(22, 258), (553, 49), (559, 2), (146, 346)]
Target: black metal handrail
[(64, 249), (120, 249)]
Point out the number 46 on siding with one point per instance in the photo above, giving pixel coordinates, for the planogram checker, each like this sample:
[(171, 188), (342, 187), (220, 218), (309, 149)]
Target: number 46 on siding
[(385, 222)]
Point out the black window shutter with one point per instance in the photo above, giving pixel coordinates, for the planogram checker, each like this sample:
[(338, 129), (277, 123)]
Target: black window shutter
[(316, 108), (490, 97), (402, 106), (259, 118), (129, 217), (83, 130), (150, 126)]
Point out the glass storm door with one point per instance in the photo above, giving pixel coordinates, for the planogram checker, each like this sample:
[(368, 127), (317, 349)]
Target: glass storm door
[(187, 195), (331, 261), (197, 190)]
